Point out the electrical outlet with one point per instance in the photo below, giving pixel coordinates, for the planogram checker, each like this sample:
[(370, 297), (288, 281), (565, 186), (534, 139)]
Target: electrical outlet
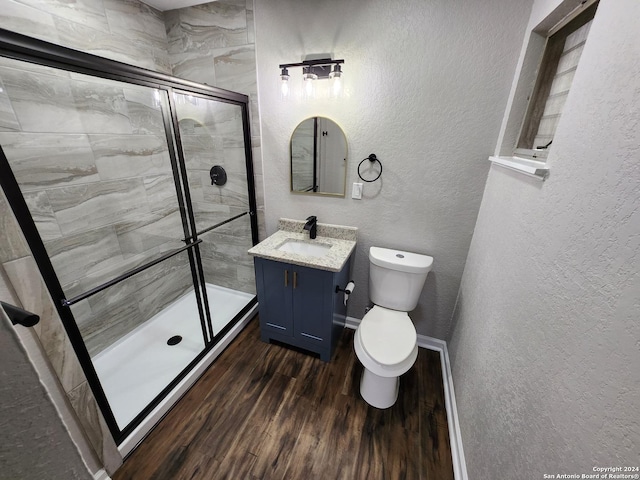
[(356, 192)]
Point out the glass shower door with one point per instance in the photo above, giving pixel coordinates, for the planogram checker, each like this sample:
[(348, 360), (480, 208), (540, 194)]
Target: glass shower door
[(214, 144), (95, 165)]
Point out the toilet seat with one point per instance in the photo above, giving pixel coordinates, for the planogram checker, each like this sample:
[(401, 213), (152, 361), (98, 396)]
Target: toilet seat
[(387, 336)]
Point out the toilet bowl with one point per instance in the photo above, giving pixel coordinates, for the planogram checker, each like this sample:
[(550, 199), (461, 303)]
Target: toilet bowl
[(386, 345), (385, 342)]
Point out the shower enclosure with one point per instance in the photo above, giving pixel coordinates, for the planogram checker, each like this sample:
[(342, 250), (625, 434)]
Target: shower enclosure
[(107, 168)]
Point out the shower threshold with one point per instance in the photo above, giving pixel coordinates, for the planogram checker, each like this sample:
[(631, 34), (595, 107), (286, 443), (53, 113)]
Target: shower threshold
[(135, 369)]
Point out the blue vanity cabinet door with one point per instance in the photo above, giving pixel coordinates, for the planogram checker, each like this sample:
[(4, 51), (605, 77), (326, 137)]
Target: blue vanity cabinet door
[(312, 306), (274, 297)]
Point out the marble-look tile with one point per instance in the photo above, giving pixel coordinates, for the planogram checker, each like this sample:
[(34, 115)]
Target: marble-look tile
[(163, 284), (235, 160), (262, 224), (135, 19), (196, 116), (110, 322), (34, 68), (43, 215), (227, 119), (8, 120), (210, 213), (78, 255), (161, 193), (246, 279), (119, 156), (194, 68), (256, 156), (196, 188), (13, 244), (254, 114), (208, 26), (150, 234), (222, 274), (84, 403), (208, 117), (42, 103), (79, 208), (144, 113), (87, 12), (20, 18), (236, 69), (227, 248), (34, 296), (121, 48), (251, 31), (40, 160), (201, 152), (102, 107), (79, 310), (234, 193), (258, 181), (110, 456)]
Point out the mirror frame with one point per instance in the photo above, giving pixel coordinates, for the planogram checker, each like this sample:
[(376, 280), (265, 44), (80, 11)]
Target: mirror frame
[(320, 194)]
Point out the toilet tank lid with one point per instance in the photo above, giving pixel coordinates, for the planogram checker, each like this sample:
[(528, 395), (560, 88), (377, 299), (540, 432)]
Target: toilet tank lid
[(399, 260)]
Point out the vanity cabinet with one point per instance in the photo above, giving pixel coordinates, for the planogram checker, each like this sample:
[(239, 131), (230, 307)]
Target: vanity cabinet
[(299, 305)]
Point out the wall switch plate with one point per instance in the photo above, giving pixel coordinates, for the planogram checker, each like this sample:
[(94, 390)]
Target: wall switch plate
[(356, 192)]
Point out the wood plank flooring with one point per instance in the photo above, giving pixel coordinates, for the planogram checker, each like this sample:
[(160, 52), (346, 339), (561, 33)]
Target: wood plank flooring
[(267, 412)]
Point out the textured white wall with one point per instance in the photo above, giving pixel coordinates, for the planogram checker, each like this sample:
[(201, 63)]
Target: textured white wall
[(35, 442), (546, 334), (426, 84)]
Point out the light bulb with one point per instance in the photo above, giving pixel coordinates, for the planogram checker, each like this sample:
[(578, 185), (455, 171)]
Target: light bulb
[(307, 82), (336, 77), (284, 84), (308, 87), (336, 87)]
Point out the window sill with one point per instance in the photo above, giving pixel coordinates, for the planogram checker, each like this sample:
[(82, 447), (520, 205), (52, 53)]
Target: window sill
[(530, 168)]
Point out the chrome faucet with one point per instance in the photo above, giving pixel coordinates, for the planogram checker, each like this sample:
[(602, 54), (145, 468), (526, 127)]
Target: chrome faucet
[(311, 225)]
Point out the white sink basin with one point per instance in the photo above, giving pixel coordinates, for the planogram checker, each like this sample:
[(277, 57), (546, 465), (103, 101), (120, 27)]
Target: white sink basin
[(305, 248)]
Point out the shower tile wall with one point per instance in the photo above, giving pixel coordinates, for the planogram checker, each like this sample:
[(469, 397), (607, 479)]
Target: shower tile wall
[(125, 30), (211, 134), (214, 43), (92, 161)]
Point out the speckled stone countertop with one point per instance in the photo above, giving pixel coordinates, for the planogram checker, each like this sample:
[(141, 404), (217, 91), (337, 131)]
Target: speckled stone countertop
[(342, 241)]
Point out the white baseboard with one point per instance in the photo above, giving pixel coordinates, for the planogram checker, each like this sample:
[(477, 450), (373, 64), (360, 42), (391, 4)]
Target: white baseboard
[(457, 452), (101, 475)]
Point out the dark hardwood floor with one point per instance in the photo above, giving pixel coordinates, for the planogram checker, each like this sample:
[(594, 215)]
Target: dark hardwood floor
[(267, 412)]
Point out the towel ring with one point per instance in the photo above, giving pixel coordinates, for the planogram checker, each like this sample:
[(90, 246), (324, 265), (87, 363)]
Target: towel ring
[(372, 158)]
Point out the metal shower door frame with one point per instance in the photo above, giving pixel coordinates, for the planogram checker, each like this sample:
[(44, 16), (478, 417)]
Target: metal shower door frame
[(23, 48)]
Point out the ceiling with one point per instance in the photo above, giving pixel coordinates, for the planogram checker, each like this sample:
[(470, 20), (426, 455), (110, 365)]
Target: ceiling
[(164, 5)]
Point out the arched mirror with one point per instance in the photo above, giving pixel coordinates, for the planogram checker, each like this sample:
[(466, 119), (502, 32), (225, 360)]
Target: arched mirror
[(318, 158)]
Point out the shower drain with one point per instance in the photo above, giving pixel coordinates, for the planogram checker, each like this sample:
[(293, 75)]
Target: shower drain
[(176, 339)]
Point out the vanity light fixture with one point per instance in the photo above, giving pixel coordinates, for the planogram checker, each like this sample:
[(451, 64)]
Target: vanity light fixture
[(312, 70)]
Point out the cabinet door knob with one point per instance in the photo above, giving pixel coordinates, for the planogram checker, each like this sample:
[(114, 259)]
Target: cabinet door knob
[(295, 279), (286, 278)]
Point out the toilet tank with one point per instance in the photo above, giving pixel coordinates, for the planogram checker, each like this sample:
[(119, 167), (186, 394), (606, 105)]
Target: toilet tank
[(396, 278)]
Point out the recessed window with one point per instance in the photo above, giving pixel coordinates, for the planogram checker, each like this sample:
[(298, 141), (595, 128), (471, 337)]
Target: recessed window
[(562, 52)]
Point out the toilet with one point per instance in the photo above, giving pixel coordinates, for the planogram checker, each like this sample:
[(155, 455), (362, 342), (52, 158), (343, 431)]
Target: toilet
[(386, 341)]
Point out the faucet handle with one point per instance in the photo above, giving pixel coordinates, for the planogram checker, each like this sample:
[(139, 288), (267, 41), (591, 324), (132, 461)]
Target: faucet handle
[(312, 218)]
